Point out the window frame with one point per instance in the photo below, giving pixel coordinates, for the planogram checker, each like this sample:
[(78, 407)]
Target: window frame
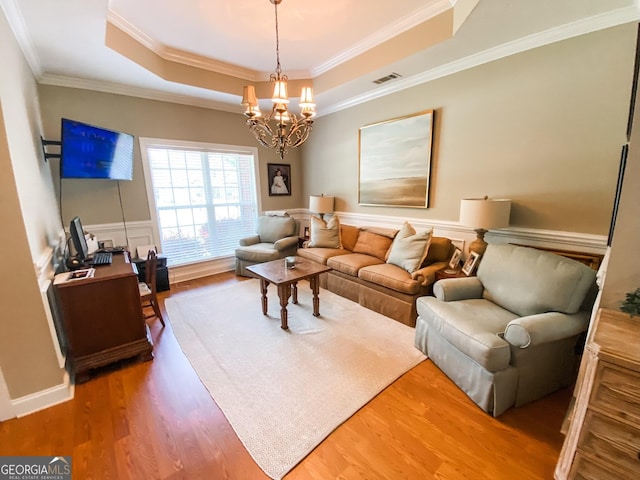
[(148, 142)]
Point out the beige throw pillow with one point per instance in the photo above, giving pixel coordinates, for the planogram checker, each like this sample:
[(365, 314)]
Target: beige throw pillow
[(325, 234), (409, 248)]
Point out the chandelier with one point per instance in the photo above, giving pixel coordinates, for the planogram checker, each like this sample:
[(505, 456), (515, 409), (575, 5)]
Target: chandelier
[(281, 128)]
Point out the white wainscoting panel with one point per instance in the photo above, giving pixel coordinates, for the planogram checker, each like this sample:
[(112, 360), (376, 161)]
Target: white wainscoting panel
[(141, 233), (44, 267), (461, 236), (113, 234)]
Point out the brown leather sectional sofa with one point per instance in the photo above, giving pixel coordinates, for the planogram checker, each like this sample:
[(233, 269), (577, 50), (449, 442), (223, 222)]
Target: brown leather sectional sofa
[(361, 272)]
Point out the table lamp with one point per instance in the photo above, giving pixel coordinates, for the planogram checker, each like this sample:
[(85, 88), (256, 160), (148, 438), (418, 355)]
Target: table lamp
[(321, 204), (483, 214)]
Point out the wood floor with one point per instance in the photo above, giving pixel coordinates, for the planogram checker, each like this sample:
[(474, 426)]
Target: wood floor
[(155, 420)]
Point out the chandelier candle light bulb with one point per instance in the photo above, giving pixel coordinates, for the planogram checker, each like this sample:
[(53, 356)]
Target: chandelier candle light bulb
[(280, 137)]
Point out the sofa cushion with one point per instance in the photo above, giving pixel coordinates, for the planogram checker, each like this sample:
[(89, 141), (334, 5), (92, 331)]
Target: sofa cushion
[(472, 326), (440, 250), (527, 281), (325, 234), (385, 232), (349, 236), (320, 255), (259, 253), (351, 263), (272, 228), (409, 248), (390, 276), (371, 243)]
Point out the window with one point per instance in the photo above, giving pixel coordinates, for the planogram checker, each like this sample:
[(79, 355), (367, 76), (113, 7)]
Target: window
[(204, 197)]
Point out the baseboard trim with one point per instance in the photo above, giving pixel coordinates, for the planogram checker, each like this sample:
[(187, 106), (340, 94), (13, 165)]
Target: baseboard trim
[(49, 397)]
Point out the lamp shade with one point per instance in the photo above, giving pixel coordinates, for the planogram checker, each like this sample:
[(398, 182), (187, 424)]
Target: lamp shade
[(249, 98), (485, 213), (321, 204)]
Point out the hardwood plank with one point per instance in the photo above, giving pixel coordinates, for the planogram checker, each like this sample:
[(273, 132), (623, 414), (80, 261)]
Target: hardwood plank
[(156, 420)]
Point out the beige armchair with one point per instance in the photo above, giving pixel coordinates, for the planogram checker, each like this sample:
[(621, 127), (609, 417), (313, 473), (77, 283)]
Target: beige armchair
[(512, 334), (276, 237)]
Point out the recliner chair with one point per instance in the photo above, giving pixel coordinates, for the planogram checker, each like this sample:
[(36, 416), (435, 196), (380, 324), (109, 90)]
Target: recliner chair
[(512, 334), (276, 237)]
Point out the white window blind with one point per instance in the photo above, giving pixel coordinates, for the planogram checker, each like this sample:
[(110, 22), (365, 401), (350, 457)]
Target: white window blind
[(205, 200)]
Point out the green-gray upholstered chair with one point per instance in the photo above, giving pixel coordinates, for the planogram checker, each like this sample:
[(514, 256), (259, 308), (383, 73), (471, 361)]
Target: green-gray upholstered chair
[(276, 237), (512, 334)]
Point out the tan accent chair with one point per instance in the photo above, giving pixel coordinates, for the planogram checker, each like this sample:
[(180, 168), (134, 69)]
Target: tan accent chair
[(276, 237)]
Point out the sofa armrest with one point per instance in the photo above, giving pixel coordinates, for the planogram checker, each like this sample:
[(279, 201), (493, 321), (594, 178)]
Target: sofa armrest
[(427, 275), (546, 327), (285, 243), (245, 242), (453, 289)]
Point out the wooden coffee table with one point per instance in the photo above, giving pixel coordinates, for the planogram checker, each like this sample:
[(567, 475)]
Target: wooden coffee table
[(286, 279)]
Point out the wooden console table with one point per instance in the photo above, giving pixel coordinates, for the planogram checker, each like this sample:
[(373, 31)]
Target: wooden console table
[(102, 318), (603, 440)]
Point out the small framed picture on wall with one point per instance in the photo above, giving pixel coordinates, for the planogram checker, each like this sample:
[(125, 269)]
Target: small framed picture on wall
[(279, 178)]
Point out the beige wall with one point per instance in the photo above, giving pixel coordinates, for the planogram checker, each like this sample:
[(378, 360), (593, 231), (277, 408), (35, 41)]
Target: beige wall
[(543, 128), (29, 218), (96, 201)]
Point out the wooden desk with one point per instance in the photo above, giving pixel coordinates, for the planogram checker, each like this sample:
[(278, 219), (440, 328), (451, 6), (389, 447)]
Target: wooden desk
[(102, 318)]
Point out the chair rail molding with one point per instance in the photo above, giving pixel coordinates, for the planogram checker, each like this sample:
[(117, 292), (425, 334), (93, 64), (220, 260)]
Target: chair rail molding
[(462, 236), (142, 233)]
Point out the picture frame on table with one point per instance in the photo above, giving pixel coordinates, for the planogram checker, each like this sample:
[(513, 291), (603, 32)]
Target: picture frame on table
[(454, 263), (471, 263)]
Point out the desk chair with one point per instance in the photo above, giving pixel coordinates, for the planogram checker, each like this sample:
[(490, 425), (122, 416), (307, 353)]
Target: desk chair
[(148, 287)]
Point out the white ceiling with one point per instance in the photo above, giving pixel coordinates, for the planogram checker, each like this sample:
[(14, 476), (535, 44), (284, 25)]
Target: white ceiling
[(64, 40)]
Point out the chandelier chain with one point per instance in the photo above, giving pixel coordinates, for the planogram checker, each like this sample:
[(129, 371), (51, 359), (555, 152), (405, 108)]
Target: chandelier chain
[(288, 130), (278, 68)]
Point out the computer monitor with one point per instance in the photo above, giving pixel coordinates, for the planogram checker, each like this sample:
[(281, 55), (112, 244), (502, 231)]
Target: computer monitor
[(79, 242)]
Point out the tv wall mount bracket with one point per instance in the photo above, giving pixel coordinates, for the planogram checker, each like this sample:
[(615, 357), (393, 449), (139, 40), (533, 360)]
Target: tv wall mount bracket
[(45, 144)]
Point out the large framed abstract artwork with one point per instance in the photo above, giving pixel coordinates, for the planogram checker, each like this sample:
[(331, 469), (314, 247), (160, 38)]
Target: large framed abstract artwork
[(395, 161)]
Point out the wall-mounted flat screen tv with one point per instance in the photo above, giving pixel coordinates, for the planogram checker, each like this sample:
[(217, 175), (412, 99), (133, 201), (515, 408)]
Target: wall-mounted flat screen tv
[(94, 152)]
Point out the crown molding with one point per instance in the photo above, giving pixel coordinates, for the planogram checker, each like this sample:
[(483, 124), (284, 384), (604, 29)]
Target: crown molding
[(180, 56), (553, 35), (118, 89), (19, 29), (584, 26), (194, 60), (134, 32), (384, 34)]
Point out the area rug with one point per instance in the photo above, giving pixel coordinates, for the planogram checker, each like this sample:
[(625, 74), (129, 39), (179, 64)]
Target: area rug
[(283, 392)]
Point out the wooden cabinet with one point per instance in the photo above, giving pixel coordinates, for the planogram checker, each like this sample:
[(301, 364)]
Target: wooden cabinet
[(102, 318), (603, 439)]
